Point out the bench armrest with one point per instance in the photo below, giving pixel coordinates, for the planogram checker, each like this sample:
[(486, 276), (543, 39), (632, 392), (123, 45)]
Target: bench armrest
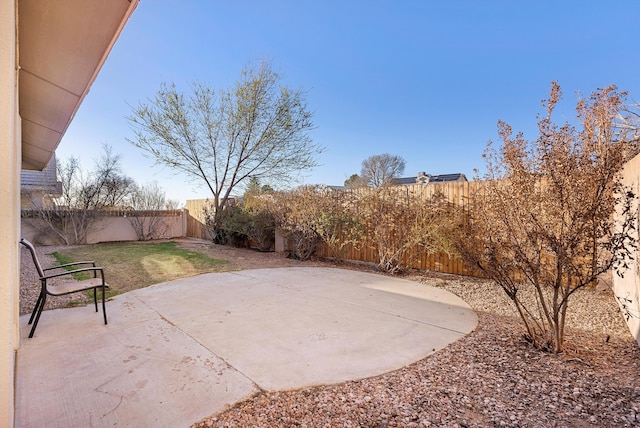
[(95, 271), (88, 262)]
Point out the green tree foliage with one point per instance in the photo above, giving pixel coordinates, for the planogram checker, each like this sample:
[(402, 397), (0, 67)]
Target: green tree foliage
[(233, 224), (254, 187), (354, 182), (543, 226), (248, 223), (256, 129), (261, 229)]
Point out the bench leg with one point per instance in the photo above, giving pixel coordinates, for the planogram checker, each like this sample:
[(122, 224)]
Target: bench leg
[(39, 311), (35, 308), (104, 307)]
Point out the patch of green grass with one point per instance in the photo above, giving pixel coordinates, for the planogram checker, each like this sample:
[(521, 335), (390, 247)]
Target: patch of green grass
[(62, 259), (109, 293), (132, 265)]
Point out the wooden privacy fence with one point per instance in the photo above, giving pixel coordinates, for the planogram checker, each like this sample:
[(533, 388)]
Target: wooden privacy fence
[(196, 219), (439, 262), (458, 193)]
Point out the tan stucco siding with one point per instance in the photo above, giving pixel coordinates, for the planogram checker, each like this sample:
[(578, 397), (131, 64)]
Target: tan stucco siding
[(627, 288), (10, 159)]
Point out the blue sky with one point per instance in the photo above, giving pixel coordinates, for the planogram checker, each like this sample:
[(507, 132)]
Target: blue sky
[(424, 80)]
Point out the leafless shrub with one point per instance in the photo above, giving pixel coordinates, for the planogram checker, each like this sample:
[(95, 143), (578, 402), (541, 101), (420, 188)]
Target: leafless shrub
[(338, 224), (401, 227), (84, 197), (544, 219), (296, 213), (148, 200)]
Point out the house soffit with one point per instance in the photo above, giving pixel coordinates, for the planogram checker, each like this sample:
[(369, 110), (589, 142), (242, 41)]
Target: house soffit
[(62, 45)]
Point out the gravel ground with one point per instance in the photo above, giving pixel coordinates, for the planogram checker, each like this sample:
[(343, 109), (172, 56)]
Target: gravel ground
[(30, 285), (491, 377)]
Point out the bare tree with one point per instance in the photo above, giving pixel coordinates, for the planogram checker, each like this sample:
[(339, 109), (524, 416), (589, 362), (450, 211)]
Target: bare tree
[(379, 170), (148, 200), (84, 196), (543, 227), (257, 129), (107, 186)]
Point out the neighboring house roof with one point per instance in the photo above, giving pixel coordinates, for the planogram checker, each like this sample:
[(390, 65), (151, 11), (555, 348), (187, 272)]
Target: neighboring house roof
[(336, 187), (45, 181), (404, 181), (447, 177), (423, 178)]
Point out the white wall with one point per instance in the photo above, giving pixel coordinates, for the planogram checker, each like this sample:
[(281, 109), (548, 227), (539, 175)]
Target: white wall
[(10, 161), (627, 289)]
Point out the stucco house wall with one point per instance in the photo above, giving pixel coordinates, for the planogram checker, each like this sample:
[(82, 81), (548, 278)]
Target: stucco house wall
[(36, 72), (627, 288), (10, 160)]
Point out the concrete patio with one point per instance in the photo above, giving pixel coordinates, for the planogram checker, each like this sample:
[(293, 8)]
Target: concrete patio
[(176, 352)]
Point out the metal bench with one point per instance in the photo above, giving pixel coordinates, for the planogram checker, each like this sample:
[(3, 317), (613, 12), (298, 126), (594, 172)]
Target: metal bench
[(95, 283)]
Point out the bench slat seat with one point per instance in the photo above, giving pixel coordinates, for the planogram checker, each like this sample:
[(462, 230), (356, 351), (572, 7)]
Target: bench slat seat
[(74, 287)]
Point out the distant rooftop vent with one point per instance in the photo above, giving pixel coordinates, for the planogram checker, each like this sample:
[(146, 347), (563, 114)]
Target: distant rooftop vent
[(423, 178)]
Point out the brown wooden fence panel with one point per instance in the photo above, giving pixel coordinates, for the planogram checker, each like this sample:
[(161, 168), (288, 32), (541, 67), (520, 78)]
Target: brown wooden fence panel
[(458, 193), (196, 218)]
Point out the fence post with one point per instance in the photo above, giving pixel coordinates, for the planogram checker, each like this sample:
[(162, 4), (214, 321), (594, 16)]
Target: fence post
[(184, 215)]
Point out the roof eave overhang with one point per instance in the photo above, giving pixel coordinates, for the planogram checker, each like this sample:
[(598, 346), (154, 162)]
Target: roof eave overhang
[(62, 46)]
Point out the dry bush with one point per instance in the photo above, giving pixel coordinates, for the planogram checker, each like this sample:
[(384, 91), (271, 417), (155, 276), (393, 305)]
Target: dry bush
[(311, 215), (296, 213), (260, 229), (402, 227), (338, 224), (543, 224)]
